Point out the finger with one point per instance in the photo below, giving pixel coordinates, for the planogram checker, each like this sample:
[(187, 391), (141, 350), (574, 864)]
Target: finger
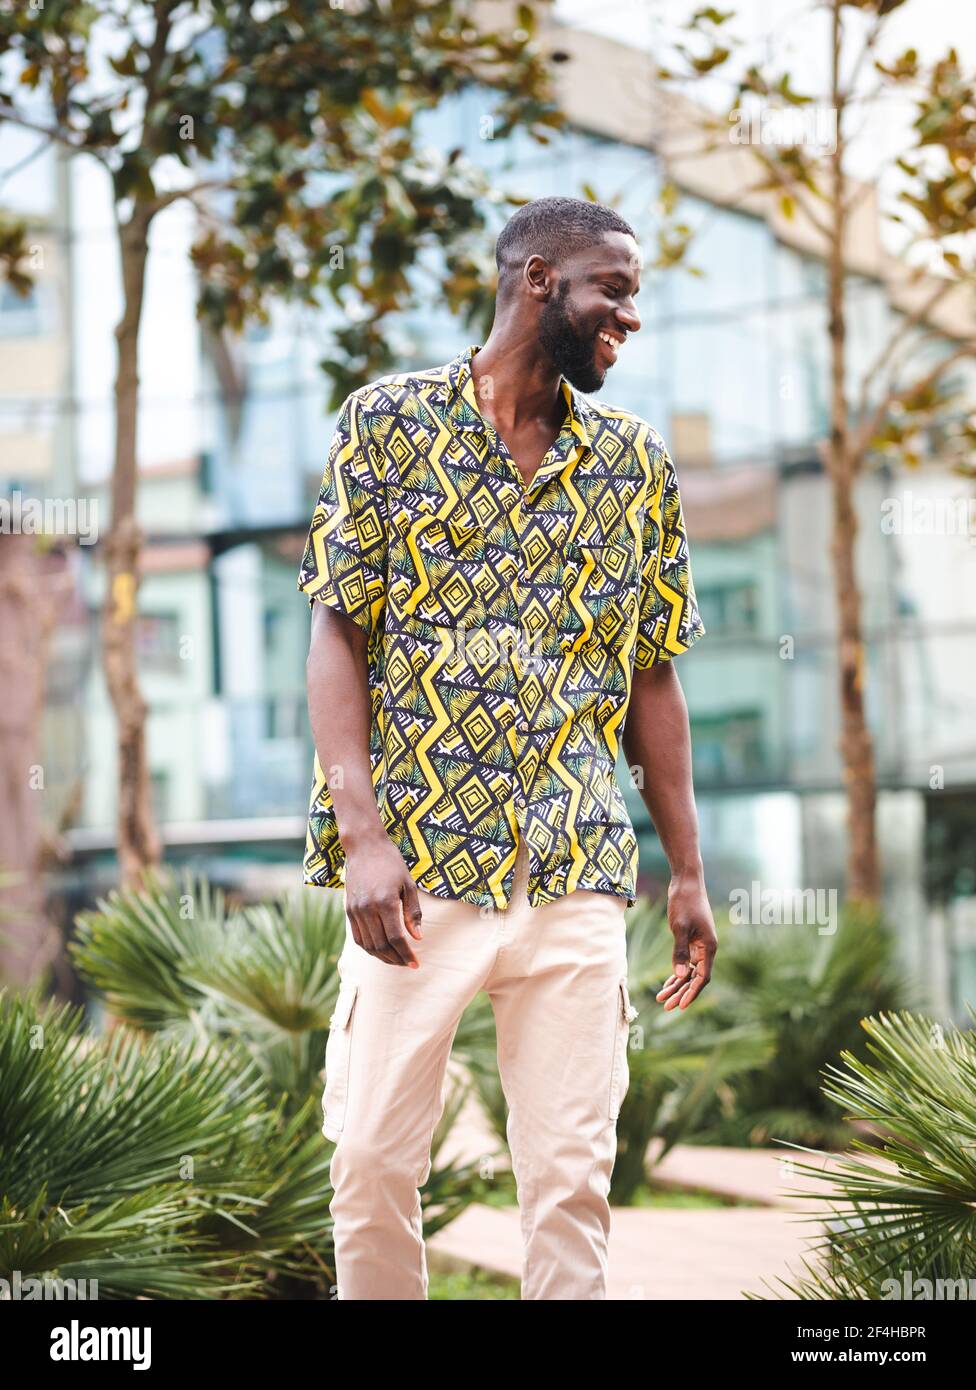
[(693, 991), (359, 933), (676, 979), (676, 992), (674, 1000), (674, 982), (374, 937), (412, 914), (395, 938), (402, 950)]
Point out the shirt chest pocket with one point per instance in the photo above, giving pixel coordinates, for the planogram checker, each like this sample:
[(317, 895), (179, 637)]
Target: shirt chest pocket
[(599, 595), (439, 570)]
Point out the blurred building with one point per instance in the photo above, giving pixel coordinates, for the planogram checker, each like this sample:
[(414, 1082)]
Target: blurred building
[(731, 367)]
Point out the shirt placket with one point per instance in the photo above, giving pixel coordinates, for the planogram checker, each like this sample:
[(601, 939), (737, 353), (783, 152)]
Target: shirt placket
[(529, 691), (528, 755)]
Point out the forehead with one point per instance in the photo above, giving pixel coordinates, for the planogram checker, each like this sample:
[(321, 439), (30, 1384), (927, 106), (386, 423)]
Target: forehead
[(616, 253)]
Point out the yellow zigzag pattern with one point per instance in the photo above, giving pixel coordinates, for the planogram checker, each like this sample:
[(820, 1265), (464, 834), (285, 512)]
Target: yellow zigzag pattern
[(505, 622)]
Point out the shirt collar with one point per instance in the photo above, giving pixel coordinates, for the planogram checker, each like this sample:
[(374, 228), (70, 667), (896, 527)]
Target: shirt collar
[(570, 445)]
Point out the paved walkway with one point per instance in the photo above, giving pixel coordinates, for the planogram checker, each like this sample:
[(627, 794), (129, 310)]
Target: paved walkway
[(767, 1177), (665, 1253), (654, 1253), (764, 1177)]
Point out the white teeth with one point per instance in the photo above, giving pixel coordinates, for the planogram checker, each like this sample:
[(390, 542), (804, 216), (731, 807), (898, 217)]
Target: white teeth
[(605, 337)]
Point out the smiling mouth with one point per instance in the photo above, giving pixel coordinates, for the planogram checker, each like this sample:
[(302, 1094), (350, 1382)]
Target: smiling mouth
[(611, 344)]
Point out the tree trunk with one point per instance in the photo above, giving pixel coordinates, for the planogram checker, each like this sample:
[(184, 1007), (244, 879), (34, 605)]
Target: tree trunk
[(29, 601), (138, 839), (856, 746)]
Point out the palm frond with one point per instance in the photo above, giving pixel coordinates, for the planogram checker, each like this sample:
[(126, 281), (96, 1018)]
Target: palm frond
[(903, 1203), (134, 948)]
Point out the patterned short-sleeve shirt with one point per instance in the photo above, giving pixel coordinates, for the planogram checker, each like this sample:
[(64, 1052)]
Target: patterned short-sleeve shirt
[(505, 621)]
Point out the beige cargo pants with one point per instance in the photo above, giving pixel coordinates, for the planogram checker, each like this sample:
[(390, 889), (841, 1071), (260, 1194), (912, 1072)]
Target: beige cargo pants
[(557, 979)]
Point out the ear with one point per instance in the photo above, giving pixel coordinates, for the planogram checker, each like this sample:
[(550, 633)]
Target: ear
[(539, 278)]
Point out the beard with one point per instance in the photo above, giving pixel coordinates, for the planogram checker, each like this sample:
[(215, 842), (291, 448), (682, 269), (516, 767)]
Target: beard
[(573, 352)]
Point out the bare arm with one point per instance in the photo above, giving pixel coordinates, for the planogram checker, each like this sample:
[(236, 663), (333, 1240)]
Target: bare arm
[(657, 739), (378, 883)]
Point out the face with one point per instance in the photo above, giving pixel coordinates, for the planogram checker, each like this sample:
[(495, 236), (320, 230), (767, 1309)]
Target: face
[(591, 310)]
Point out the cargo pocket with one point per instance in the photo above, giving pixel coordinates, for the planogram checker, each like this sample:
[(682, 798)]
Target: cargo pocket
[(338, 1055), (620, 1079)]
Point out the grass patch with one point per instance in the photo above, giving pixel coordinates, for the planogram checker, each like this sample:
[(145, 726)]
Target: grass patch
[(464, 1286), (500, 1192), (651, 1195)]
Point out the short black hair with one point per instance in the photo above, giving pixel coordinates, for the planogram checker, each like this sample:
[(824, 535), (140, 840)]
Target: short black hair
[(553, 228)]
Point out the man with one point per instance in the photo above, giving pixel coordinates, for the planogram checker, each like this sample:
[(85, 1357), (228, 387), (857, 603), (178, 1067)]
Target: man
[(499, 576)]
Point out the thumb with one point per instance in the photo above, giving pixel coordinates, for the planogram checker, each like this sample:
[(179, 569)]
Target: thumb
[(410, 907)]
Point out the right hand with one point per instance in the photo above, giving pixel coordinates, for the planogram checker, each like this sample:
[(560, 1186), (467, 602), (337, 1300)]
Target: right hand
[(382, 902)]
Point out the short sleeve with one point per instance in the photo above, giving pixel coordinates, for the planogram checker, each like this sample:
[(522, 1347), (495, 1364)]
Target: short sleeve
[(344, 564), (669, 621)]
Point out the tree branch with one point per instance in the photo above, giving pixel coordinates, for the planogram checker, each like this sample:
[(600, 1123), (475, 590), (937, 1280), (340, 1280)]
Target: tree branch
[(874, 33), (910, 321), (165, 200), (792, 187), (861, 439), (156, 54), (22, 164), (55, 135)]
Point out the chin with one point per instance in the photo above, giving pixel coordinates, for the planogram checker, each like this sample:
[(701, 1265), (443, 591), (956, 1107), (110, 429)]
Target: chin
[(589, 380)]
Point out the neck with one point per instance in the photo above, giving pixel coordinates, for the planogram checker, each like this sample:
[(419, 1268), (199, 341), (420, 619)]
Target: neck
[(515, 382)]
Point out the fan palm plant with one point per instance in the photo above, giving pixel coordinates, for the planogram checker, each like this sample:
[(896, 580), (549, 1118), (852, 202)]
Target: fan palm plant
[(807, 993), (159, 1170), (174, 959), (216, 1067), (906, 1210)]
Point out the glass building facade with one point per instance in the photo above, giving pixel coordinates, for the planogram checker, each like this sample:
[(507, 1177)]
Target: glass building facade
[(730, 366)]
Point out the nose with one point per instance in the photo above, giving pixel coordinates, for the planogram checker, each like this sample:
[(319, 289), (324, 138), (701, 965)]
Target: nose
[(628, 316)]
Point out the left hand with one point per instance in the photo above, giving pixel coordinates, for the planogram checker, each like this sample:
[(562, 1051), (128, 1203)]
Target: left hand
[(695, 941)]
